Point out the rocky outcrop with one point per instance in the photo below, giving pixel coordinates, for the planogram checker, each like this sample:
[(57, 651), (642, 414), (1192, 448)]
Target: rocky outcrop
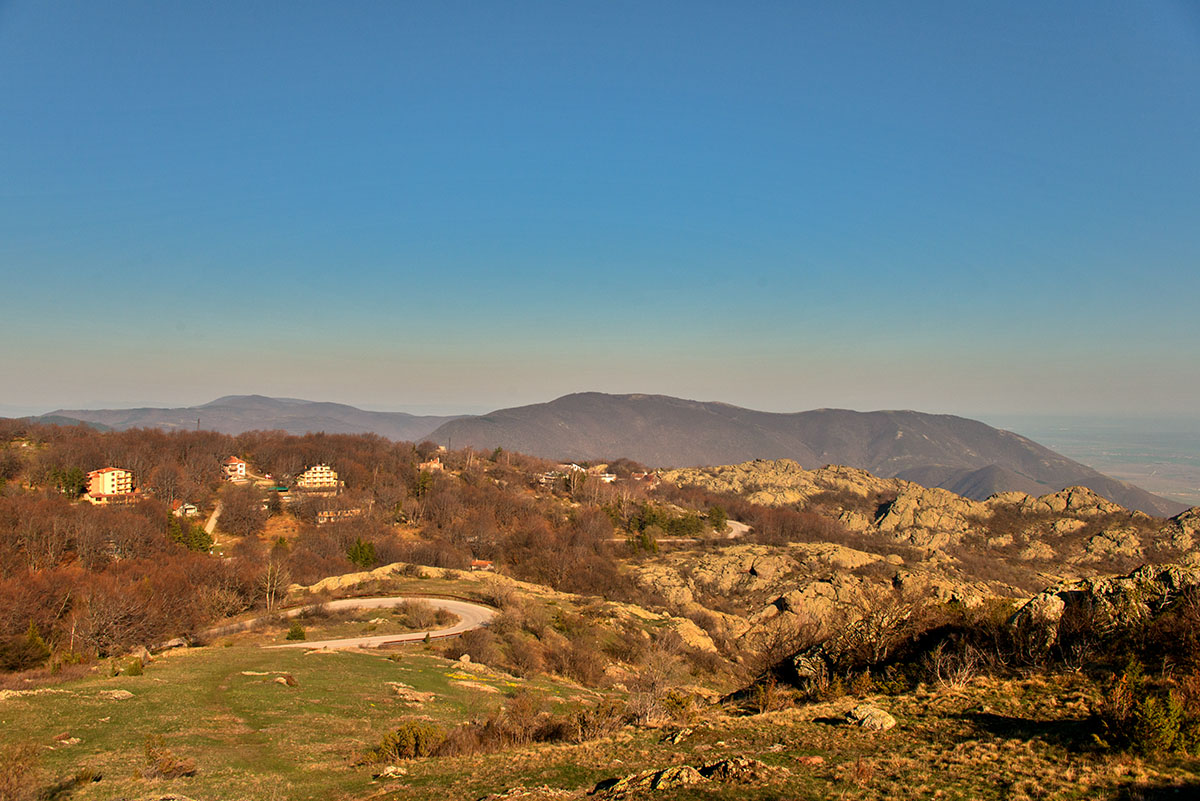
[(738, 571), (814, 580), (1183, 530), (783, 482), (929, 518), (1119, 542), (826, 600), (637, 784), (942, 589), (738, 769), (1111, 600), (1074, 501)]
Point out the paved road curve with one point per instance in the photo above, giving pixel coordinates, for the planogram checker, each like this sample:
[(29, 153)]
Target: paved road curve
[(470, 616)]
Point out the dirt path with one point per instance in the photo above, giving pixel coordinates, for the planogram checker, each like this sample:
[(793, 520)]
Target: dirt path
[(211, 525), (736, 529), (470, 616)]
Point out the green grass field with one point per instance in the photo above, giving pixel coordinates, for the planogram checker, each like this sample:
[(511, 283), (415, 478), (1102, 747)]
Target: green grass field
[(251, 737), (254, 738)]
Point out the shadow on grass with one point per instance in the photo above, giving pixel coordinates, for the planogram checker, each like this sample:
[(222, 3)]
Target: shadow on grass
[(65, 789), (1073, 734), (1159, 792)]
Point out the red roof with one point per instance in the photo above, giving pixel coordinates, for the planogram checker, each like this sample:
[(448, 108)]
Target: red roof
[(234, 460)]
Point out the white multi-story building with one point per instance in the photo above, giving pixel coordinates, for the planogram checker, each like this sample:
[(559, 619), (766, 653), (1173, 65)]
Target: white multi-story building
[(235, 468), (318, 477)]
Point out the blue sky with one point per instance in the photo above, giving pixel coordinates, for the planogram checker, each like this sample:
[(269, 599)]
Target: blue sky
[(963, 207)]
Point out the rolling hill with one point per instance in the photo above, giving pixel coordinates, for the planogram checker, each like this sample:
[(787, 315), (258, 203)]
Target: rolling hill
[(234, 414), (965, 456)]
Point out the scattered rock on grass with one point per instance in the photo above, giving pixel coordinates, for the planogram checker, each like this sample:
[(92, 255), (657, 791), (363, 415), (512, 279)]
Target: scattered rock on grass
[(740, 769), (408, 695), (114, 695), (676, 737), (543, 793), (6, 694), (871, 718), (636, 783), (391, 772)]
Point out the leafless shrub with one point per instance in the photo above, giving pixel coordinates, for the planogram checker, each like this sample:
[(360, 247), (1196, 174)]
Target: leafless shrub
[(953, 667), (525, 654), (478, 644), (418, 614)]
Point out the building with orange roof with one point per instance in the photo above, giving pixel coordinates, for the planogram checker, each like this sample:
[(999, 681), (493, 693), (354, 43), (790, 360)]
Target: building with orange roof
[(109, 485)]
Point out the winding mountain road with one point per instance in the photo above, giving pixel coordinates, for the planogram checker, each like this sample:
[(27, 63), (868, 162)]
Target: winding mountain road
[(470, 616)]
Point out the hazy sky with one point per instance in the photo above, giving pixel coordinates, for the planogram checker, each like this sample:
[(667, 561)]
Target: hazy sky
[(965, 207)]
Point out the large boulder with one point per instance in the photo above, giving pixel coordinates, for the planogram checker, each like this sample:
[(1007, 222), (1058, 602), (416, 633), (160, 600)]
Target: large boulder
[(871, 718)]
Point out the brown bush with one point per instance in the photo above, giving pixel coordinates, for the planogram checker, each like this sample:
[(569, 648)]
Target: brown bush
[(410, 739), (162, 763), (479, 644), (525, 654), (19, 772)]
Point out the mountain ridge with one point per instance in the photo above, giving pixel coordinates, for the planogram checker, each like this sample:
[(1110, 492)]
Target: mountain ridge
[(938, 450), (943, 451), (235, 414)]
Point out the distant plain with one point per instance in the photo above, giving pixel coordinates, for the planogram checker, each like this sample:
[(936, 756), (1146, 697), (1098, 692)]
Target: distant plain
[(1161, 455)]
